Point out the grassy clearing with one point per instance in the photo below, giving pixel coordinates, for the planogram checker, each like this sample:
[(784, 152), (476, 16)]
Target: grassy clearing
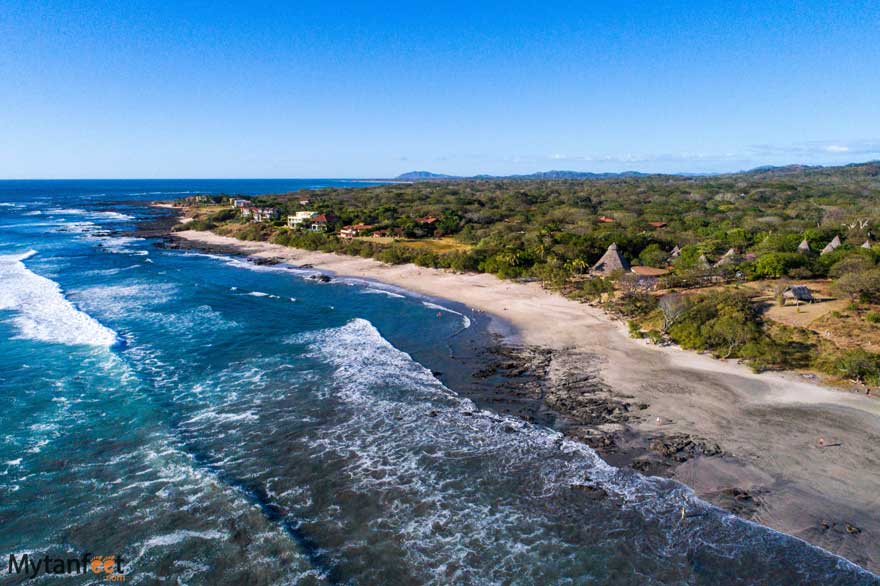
[(435, 245)]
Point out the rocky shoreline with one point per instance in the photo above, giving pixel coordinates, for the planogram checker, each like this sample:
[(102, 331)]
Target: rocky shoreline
[(563, 390)]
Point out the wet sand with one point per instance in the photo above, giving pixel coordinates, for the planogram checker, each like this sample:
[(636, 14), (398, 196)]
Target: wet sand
[(746, 442)]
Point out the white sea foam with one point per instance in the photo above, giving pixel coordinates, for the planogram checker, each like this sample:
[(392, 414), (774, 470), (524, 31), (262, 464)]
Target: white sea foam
[(125, 298), (78, 227), (107, 272), (92, 214), (67, 211), (113, 215), (41, 310), (404, 428), (375, 291), (262, 294), (465, 320), (178, 536), (122, 245)]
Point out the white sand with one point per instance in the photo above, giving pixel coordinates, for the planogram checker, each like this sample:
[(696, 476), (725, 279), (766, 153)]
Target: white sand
[(769, 424)]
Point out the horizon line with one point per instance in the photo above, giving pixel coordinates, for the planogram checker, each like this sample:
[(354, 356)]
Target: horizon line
[(449, 175)]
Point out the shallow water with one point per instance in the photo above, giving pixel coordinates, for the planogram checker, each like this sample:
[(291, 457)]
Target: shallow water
[(223, 423)]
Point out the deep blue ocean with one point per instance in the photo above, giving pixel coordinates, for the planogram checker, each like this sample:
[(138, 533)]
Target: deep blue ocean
[(217, 422)]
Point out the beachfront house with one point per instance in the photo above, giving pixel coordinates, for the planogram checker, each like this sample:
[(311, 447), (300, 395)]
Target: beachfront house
[(797, 293), (319, 223), (299, 219), (240, 203), (611, 262), (264, 214), (248, 211), (355, 230)]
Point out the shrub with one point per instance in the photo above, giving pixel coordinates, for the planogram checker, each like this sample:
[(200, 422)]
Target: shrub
[(856, 364), (655, 336), (723, 322), (776, 264), (635, 330)]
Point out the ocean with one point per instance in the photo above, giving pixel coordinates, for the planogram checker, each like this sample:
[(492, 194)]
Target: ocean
[(211, 421)]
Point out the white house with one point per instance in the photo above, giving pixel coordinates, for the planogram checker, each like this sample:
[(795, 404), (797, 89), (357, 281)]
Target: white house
[(240, 203), (265, 214), (299, 218)]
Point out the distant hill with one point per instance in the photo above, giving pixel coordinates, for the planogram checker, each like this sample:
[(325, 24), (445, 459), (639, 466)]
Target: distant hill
[(575, 175), (423, 175), (868, 169), (428, 176)]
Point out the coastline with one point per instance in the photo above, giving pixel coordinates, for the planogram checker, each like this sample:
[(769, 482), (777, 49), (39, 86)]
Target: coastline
[(745, 442)]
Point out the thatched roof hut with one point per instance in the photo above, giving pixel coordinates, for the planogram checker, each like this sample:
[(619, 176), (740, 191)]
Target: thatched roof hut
[(729, 257), (831, 246), (610, 262), (804, 247), (797, 293), (703, 262)]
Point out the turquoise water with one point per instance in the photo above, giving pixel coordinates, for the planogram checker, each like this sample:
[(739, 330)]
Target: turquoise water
[(216, 422)]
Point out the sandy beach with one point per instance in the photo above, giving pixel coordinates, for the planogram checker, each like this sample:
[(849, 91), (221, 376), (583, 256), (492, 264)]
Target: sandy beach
[(770, 469)]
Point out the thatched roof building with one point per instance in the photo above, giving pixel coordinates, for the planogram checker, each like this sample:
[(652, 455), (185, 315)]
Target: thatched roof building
[(804, 247), (797, 293), (610, 262), (831, 246), (729, 257)]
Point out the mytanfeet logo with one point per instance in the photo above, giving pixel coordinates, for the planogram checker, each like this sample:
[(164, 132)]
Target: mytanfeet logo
[(111, 567)]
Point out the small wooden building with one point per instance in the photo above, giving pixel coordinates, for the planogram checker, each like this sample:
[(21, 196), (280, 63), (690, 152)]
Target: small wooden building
[(798, 294)]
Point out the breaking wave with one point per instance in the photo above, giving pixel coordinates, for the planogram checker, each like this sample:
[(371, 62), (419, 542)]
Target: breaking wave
[(437, 457), (465, 320), (43, 313)]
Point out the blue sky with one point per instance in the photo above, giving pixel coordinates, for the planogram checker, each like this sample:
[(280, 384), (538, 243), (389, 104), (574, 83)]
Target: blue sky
[(337, 89)]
